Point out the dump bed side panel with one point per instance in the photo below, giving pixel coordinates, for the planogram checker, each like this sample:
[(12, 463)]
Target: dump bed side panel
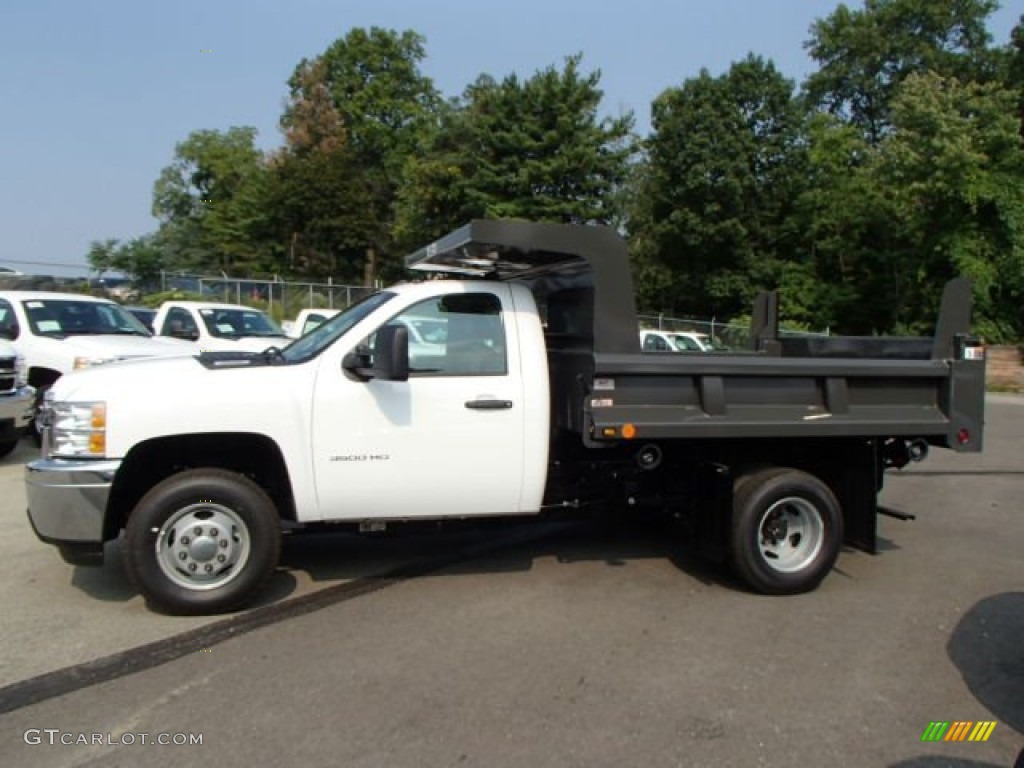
[(724, 396)]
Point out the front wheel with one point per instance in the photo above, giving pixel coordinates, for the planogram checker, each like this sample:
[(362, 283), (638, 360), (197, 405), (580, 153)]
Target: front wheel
[(7, 447), (787, 530), (202, 541)]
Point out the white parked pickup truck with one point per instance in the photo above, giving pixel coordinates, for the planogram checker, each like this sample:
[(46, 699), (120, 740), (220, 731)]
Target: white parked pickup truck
[(677, 341), (218, 327), (528, 391), (17, 399), (307, 320), (57, 333)]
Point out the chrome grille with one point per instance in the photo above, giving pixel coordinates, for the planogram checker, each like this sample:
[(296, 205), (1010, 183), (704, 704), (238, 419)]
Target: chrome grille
[(8, 374)]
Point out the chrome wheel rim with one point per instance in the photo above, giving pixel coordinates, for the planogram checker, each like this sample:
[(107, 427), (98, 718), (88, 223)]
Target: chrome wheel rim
[(203, 546), (791, 533)]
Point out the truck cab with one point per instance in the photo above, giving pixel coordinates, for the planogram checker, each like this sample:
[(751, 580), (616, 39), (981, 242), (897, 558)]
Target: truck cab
[(677, 341), (307, 320), (210, 326)]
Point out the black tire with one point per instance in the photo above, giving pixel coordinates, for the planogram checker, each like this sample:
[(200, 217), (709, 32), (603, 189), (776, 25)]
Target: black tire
[(178, 550), (787, 530), (33, 429), (7, 448)]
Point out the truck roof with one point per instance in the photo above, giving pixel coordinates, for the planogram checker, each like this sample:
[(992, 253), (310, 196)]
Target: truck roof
[(53, 296), (583, 264), (209, 305)]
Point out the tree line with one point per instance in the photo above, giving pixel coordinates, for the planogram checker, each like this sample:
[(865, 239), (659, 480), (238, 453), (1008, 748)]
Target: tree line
[(897, 164)]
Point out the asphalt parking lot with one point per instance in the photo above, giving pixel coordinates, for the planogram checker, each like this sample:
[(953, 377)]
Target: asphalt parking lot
[(543, 645)]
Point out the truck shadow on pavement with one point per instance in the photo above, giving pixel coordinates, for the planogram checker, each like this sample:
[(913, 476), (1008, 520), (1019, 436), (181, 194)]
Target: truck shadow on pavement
[(110, 583), (25, 452), (508, 548), (987, 647), (312, 561), (939, 761)]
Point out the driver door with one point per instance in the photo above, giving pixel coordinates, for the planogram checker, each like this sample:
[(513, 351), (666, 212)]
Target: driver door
[(447, 442)]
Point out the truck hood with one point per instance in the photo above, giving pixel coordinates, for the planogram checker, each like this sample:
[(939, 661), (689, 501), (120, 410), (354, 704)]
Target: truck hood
[(163, 378), (244, 343), (215, 392), (125, 347)]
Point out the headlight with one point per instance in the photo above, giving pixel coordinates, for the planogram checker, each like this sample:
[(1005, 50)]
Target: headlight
[(20, 372), (79, 429), (88, 362)]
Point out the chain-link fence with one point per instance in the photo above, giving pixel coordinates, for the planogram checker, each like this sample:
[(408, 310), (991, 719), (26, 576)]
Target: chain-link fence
[(282, 299), (732, 335)]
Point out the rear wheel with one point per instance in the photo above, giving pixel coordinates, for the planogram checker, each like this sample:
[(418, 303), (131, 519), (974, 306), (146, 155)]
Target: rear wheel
[(202, 541), (787, 530)]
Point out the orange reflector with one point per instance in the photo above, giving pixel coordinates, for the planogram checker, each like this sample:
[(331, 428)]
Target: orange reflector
[(628, 431)]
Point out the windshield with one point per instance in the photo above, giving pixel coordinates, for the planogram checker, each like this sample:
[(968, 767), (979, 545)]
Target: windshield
[(236, 323), (69, 317), (317, 340), (693, 343), (697, 342)]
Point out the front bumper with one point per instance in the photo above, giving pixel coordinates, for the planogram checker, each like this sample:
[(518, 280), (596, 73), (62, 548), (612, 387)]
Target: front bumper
[(17, 408), (67, 505)]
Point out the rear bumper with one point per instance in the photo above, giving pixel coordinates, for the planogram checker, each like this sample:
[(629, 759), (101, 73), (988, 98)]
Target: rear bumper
[(67, 503)]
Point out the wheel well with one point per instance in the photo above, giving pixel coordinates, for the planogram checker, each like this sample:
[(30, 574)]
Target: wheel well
[(850, 467), (253, 455)]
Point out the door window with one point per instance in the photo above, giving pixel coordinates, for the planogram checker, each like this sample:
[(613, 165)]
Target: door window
[(8, 321), (180, 323), (654, 343), (456, 335)]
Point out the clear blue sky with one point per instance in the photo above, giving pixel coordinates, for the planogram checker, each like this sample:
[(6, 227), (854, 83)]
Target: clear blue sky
[(96, 93)]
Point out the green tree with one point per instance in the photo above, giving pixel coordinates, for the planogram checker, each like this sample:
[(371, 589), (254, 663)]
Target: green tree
[(209, 200), (102, 255), (954, 166), (140, 258), (534, 149), (315, 212), (1015, 68), (713, 216), (864, 55), (384, 103), (851, 230), (316, 216)]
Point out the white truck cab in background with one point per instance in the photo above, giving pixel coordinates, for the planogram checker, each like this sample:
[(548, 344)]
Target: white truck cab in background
[(676, 341), (17, 399), (307, 320), (213, 327), (57, 333)]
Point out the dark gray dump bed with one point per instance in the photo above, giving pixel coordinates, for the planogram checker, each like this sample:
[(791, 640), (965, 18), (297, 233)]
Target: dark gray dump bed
[(930, 388)]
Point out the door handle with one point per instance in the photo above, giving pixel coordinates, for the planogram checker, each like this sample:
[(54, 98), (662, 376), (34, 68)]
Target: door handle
[(488, 405)]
